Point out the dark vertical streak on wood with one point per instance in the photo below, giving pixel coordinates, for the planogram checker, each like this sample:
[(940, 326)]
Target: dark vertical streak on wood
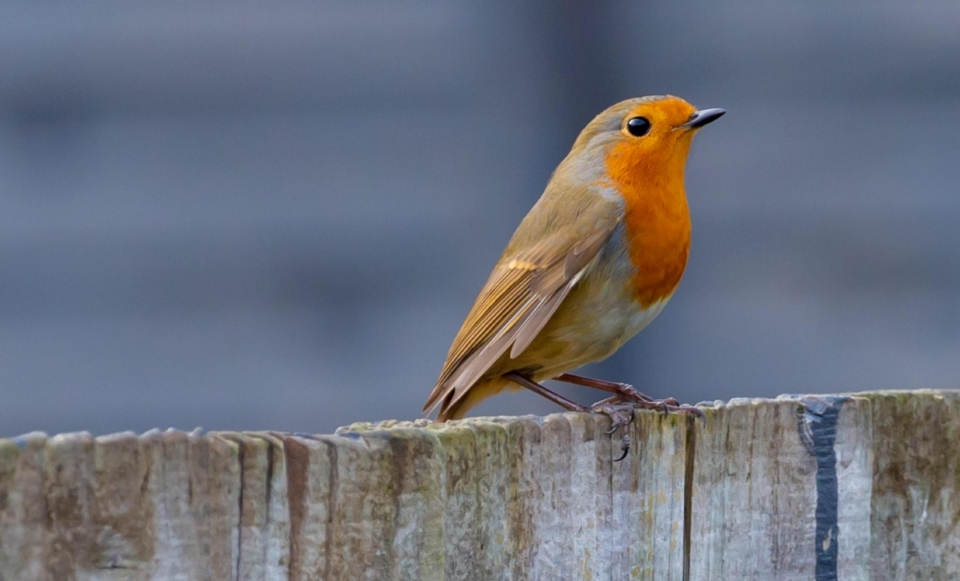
[(298, 463), (819, 431), (268, 496), (690, 451), (334, 485), (240, 456)]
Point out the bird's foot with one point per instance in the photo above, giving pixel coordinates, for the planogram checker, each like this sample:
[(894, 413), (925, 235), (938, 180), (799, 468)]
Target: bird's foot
[(626, 393), (621, 416), (620, 408)]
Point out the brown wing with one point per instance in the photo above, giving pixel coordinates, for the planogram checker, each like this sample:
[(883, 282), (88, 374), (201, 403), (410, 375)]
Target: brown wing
[(521, 295)]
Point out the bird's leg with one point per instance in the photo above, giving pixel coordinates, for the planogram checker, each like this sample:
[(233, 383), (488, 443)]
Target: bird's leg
[(620, 415), (551, 395), (625, 392)]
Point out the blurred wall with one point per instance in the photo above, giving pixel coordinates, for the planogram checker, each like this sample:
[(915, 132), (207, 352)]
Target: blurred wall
[(234, 215)]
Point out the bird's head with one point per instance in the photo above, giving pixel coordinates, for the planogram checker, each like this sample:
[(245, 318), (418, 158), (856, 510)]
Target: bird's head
[(639, 140)]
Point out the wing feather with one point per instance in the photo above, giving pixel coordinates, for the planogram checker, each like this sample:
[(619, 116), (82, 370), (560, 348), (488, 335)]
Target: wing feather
[(518, 300)]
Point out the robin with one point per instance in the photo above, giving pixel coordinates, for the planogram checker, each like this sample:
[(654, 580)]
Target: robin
[(594, 261)]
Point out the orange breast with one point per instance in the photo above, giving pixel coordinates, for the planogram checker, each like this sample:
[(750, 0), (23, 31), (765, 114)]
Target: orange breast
[(657, 218)]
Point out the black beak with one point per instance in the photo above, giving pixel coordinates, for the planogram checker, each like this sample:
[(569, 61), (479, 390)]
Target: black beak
[(701, 118)]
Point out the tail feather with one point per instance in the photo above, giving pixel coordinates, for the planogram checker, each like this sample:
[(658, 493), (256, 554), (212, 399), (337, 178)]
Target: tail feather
[(481, 390)]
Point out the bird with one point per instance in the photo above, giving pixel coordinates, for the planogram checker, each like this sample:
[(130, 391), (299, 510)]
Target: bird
[(593, 262)]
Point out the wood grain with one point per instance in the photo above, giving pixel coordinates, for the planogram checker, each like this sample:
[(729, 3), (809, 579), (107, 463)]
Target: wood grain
[(862, 486)]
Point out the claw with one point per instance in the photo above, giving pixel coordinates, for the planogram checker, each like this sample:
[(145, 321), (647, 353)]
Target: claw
[(695, 411), (624, 447), (618, 425)]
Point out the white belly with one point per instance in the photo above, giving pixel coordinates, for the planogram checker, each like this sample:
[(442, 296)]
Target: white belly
[(619, 323)]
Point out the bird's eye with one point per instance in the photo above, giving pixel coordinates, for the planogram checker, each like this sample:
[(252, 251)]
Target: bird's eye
[(638, 126)]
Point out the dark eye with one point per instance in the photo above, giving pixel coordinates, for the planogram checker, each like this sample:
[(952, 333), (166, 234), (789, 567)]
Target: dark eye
[(638, 126)]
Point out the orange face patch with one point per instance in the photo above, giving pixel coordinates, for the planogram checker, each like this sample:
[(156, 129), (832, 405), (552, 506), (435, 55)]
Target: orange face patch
[(648, 172)]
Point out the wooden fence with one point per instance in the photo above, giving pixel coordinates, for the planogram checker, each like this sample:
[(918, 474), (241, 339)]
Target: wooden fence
[(815, 488)]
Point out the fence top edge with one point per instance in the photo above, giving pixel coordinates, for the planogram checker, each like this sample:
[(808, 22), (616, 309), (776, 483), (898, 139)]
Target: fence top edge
[(409, 427)]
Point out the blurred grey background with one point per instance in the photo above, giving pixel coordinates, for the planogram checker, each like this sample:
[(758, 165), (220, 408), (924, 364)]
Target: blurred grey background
[(262, 216)]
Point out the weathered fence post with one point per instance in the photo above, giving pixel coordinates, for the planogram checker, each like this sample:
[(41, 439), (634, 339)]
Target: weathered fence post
[(865, 486)]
